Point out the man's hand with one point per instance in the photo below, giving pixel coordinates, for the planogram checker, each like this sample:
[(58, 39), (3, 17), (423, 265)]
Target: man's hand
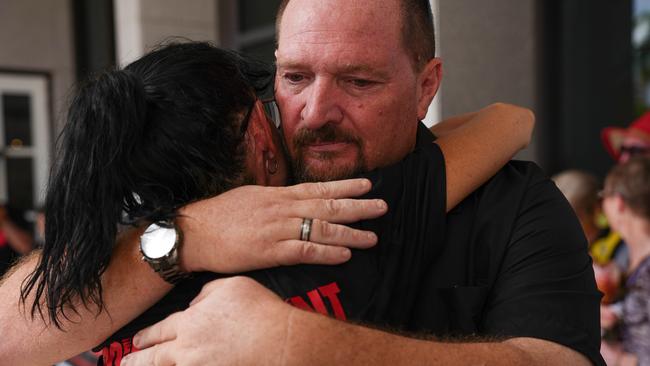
[(232, 321), (238, 321), (255, 227)]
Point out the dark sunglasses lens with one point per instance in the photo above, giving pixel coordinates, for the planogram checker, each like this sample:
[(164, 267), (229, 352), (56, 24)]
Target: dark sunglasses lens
[(271, 109), (634, 150)]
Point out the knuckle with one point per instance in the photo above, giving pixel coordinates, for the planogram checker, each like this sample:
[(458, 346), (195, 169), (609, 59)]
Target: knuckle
[(322, 189), (331, 206), (326, 229), (237, 280), (210, 286), (308, 252)]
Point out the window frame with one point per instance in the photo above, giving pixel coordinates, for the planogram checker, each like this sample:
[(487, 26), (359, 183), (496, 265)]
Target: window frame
[(38, 85)]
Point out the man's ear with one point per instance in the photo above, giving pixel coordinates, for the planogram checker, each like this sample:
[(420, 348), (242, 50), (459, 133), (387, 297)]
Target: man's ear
[(428, 83)]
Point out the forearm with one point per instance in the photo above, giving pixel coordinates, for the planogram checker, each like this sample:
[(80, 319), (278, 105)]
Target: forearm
[(315, 339), (444, 127), (501, 120), (129, 288), (479, 147)]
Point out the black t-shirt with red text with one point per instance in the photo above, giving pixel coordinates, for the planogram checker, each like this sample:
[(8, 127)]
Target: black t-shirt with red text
[(378, 285)]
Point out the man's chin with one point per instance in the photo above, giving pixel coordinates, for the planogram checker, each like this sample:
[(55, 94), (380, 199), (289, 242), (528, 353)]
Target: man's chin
[(326, 170)]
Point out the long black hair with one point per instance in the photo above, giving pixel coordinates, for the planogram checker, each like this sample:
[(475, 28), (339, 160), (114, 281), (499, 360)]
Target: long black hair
[(139, 143)]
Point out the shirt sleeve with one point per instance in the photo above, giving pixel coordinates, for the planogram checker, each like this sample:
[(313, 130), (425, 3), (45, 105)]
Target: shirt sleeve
[(545, 285)]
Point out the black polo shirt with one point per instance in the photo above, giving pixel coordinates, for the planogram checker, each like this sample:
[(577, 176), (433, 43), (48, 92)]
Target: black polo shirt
[(515, 263)]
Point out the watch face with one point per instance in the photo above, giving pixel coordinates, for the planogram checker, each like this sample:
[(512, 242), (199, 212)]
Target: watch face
[(157, 241)]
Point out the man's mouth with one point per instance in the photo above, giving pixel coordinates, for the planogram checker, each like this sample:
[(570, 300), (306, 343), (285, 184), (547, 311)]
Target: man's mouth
[(328, 146)]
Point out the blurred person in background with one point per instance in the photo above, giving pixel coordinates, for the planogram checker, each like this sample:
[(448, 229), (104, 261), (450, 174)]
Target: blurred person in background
[(626, 202), (610, 257), (15, 239), (623, 143), (581, 190)]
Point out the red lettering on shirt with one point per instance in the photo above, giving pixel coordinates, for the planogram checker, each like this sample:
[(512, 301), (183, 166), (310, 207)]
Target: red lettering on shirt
[(317, 302), (114, 352), (330, 291), (298, 302)]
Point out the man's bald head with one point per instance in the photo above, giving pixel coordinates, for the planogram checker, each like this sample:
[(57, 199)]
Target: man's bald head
[(418, 36)]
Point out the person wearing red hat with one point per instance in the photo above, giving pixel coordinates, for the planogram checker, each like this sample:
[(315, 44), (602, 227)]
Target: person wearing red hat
[(623, 143)]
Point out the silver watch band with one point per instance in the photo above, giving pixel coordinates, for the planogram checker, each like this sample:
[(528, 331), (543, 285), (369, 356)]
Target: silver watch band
[(169, 269)]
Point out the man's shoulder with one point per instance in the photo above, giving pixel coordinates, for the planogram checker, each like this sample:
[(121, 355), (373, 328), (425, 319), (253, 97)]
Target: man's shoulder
[(520, 172), (517, 194), (511, 184)]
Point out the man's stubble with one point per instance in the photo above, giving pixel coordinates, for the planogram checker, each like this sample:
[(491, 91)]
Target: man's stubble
[(303, 172)]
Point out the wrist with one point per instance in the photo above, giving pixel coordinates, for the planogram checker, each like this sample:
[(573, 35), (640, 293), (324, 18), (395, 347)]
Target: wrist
[(189, 253)]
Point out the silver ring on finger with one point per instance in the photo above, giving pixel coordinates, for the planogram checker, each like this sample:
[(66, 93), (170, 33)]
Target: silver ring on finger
[(305, 229)]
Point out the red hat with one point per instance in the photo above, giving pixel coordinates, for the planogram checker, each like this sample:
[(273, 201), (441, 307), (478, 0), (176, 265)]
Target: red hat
[(613, 136)]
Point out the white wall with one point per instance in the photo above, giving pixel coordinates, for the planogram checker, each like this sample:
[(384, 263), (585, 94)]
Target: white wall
[(37, 35), (143, 24), (490, 53)]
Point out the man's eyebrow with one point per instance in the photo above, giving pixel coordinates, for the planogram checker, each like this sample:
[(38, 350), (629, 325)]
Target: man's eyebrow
[(363, 68), (291, 65), (347, 69)]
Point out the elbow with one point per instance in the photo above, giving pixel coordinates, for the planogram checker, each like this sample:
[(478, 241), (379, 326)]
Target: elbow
[(527, 121), (523, 121)]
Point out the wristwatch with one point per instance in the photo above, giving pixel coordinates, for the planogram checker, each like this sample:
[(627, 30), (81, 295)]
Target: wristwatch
[(159, 246)]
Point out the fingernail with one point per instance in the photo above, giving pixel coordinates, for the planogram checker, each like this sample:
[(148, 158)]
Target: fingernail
[(366, 183), (136, 340), (381, 204), (372, 237), (346, 254)]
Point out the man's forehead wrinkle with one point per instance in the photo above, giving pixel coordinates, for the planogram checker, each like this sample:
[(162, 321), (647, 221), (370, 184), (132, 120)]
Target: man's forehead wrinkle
[(338, 65), (330, 36), (338, 18)]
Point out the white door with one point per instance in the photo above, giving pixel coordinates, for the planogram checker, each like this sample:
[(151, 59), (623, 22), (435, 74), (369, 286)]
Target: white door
[(24, 139)]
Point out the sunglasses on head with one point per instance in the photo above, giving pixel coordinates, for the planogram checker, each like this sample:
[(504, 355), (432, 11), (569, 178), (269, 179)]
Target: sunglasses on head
[(634, 150), (270, 108), (272, 111)]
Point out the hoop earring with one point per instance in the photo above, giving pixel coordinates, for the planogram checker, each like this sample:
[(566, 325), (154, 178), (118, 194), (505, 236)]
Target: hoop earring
[(272, 165)]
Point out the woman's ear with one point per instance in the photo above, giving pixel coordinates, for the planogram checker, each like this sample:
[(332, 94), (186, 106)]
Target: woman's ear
[(263, 155)]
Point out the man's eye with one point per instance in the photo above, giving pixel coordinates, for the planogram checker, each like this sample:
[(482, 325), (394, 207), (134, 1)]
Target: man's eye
[(294, 78), (361, 83)]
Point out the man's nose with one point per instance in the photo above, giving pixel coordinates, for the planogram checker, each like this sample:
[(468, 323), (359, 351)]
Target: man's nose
[(321, 105)]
